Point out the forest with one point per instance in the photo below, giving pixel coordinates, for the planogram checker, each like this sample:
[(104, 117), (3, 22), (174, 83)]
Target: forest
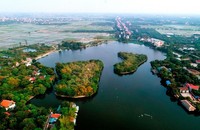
[(76, 45), (22, 78), (78, 79)]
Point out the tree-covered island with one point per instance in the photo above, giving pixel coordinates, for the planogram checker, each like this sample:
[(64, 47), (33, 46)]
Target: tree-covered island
[(130, 63), (78, 79)]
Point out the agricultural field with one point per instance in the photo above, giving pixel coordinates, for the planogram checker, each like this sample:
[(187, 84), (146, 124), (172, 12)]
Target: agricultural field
[(80, 30), (182, 30)]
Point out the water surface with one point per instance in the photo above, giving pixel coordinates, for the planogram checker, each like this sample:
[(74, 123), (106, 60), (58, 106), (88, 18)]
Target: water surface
[(122, 100)]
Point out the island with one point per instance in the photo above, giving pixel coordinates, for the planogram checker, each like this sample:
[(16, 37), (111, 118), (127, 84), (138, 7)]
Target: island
[(130, 63), (78, 79)]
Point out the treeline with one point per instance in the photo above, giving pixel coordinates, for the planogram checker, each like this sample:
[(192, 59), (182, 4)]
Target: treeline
[(74, 45), (79, 78), (102, 24), (130, 62), (91, 31), (23, 117)]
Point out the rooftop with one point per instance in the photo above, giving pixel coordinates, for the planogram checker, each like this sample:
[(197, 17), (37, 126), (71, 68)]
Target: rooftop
[(191, 86), (7, 103), (55, 115)]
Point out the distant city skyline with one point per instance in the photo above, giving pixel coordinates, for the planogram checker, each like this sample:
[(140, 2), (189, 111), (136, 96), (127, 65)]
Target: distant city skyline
[(102, 6)]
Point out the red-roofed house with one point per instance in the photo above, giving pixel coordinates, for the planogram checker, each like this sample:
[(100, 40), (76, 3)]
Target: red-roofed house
[(8, 104), (54, 118), (191, 86), (55, 115)]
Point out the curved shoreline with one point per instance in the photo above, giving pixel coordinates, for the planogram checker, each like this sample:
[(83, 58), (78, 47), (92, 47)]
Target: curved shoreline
[(130, 72), (74, 97), (45, 54)]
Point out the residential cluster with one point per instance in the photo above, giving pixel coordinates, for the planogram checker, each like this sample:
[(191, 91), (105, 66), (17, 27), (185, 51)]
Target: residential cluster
[(33, 20), (123, 30), (155, 42), (187, 93)]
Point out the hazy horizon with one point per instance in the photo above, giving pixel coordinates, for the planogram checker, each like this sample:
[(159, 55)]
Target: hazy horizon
[(178, 7)]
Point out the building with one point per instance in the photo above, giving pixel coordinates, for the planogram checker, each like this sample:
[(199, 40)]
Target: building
[(184, 89), (188, 105), (194, 64), (157, 42), (54, 118), (8, 104), (168, 82), (192, 87), (28, 64), (32, 79)]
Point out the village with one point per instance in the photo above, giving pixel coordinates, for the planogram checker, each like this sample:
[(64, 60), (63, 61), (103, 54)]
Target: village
[(23, 78), (123, 31), (183, 58), (180, 72)]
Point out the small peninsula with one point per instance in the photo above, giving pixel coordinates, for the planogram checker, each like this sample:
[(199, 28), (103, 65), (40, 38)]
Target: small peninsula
[(130, 63), (78, 79)]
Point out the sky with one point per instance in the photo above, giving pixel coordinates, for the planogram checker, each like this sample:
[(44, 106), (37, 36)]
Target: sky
[(102, 6)]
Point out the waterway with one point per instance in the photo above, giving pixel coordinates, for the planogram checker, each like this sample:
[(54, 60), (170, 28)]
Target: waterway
[(131, 102)]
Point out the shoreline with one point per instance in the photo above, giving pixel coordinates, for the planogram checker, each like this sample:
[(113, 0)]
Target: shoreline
[(45, 54), (125, 73), (55, 50), (73, 97)]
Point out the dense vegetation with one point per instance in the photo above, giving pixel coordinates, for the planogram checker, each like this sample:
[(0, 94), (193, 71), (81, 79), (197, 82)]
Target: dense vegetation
[(20, 82), (130, 64), (26, 117), (175, 72), (74, 45), (78, 78)]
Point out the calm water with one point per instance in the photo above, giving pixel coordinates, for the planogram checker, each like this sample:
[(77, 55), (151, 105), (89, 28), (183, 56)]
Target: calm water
[(121, 100)]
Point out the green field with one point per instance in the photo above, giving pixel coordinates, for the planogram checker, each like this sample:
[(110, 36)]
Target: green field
[(183, 30), (13, 34)]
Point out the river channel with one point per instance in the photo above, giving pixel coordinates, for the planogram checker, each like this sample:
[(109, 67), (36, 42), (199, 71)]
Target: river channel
[(132, 102)]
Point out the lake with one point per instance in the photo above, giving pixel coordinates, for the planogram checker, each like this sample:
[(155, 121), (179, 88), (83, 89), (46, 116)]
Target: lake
[(132, 102)]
